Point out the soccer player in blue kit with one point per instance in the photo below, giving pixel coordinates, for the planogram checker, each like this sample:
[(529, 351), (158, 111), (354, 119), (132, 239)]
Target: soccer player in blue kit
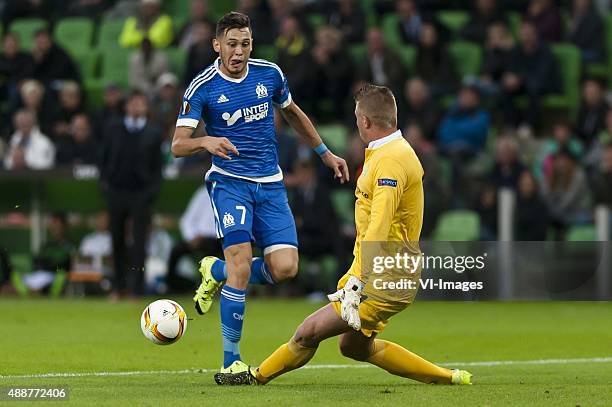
[(235, 97)]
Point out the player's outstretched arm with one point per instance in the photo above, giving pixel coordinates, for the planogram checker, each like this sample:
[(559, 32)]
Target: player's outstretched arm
[(183, 144), (302, 125)]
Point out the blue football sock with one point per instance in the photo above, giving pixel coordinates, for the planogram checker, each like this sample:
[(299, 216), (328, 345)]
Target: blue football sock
[(259, 272), (232, 316)]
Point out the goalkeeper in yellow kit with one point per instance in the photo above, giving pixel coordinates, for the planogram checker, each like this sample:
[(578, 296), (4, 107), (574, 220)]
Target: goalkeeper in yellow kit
[(388, 213)]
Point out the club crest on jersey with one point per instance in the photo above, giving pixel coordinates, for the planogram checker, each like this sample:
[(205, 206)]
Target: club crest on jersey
[(261, 91), (228, 220), (250, 114)]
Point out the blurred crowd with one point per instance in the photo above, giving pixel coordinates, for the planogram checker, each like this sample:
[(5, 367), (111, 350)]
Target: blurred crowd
[(473, 133)]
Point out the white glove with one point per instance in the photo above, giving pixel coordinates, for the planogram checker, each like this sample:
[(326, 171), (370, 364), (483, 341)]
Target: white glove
[(349, 297)]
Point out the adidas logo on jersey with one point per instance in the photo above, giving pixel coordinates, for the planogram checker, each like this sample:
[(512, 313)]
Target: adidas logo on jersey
[(222, 99)]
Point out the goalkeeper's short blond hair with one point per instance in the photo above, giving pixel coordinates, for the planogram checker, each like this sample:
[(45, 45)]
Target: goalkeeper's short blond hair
[(377, 103)]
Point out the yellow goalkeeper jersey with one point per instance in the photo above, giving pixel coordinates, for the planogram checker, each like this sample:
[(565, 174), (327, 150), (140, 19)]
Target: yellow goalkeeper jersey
[(389, 206)]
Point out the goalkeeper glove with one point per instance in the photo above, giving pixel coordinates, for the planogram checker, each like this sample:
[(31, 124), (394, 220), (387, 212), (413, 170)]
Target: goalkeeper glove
[(349, 298)]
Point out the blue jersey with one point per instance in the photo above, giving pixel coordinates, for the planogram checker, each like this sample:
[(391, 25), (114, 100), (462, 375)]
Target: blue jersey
[(240, 110)]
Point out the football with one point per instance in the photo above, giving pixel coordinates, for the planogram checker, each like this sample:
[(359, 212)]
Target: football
[(163, 322)]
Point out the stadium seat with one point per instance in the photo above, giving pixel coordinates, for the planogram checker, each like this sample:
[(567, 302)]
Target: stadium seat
[(74, 34), (267, 52), (178, 61), (315, 21), (343, 201), (88, 64), (358, 54), (114, 66), (335, 137), (453, 20), (178, 9), (582, 233), (514, 21), (467, 57), (407, 54), (391, 30), (368, 7), (458, 225), (108, 34), (569, 61), (26, 29)]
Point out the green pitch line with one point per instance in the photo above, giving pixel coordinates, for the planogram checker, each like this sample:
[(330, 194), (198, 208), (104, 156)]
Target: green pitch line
[(86, 336)]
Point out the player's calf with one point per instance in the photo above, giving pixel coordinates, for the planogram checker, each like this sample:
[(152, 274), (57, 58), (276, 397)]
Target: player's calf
[(355, 345)]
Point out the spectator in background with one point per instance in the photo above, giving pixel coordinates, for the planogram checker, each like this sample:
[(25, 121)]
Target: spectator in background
[(51, 62), (508, 167), (464, 130), (261, 24), (287, 147), (28, 147), (486, 206), (97, 245), (486, 13), (497, 58), (533, 72), (462, 136), (331, 71), (201, 53), (384, 67), (112, 108), (293, 56), (33, 99), (199, 235), (149, 24), (566, 192), (419, 108), (278, 10), (435, 183), (562, 138), (130, 177), (166, 103), (546, 18), (410, 24), (198, 15), (70, 104), (79, 145), (315, 219), (53, 256), (348, 16), (592, 113), (15, 66), (532, 217), (603, 138), (146, 65), (601, 178), (433, 62), (586, 31)]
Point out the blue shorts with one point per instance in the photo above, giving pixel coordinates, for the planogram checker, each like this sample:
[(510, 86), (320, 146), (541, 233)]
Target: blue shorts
[(258, 212)]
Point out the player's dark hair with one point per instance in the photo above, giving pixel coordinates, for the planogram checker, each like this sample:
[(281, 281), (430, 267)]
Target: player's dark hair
[(377, 103), (230, 21)]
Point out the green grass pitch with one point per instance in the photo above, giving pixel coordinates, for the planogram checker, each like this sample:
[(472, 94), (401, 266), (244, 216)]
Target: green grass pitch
[(91, 337)]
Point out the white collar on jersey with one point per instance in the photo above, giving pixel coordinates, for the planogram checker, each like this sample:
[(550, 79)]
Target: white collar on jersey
[(227, 78), (382, 141)]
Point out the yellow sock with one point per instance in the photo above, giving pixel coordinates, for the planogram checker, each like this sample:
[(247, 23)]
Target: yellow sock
[(401, 362), (287, 357)]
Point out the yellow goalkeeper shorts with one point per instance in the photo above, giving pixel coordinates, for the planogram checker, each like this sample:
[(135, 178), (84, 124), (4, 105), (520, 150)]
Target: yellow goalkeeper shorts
[(374, 314)]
